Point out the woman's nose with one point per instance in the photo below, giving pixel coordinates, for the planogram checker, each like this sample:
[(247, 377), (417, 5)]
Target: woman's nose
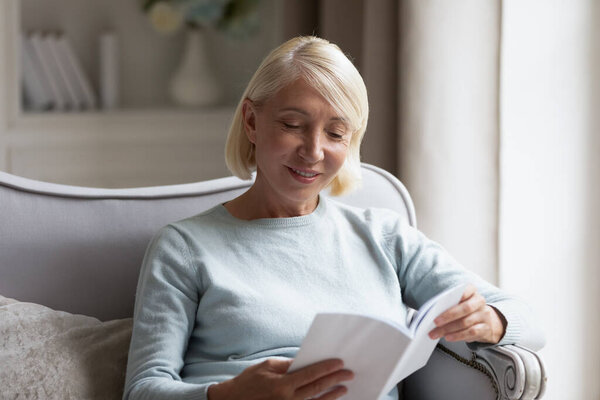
[(311, 149)]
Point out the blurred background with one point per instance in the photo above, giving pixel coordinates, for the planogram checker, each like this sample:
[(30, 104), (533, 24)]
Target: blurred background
[(487, 110)]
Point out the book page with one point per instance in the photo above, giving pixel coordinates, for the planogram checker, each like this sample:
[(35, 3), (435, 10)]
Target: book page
[(419, 350), (440, 301), (368, 346)]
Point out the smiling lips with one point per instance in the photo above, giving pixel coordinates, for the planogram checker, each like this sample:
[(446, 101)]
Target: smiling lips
[(303, 176)]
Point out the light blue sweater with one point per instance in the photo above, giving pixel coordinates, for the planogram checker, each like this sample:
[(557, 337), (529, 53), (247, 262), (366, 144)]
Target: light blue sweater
[(217, 294)]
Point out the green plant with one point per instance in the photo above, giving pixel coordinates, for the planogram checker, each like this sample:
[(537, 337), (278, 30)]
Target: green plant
[(237, 18)]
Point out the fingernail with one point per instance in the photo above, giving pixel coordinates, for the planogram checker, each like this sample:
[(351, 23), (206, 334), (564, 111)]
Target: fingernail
[(433, 335)]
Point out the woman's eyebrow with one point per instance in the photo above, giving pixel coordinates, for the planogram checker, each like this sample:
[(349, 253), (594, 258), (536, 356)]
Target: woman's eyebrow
[(298, 110), (303, 112)]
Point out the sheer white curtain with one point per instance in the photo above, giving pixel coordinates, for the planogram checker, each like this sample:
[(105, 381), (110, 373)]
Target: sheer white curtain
[(448, 124), (431, 68), (512, 190), (489, 112), (549, 220), (528, 169)]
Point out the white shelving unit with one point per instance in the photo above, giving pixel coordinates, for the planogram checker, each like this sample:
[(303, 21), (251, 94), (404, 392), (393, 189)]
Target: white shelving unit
[(147, 142)]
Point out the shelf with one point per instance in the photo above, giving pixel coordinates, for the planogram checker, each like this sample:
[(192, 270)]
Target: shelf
[(124, 148), (208, 125), (123, 115), (144, 143), (148, 59), (147, 62)]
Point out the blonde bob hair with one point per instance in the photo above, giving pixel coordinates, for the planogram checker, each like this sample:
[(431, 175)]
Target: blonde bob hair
[(325, 68)]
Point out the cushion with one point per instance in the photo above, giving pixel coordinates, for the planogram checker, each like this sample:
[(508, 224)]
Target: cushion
[(56, 355)]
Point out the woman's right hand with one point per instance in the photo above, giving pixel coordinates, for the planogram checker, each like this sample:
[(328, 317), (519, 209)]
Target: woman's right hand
[(269, 380)]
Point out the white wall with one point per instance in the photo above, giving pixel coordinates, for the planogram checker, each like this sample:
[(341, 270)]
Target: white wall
[(549, 183)]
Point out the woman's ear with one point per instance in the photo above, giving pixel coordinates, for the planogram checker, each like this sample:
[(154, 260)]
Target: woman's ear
[(249, 119)]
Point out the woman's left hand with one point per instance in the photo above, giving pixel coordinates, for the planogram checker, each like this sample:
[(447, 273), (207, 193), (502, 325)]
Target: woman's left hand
[(471, 320)]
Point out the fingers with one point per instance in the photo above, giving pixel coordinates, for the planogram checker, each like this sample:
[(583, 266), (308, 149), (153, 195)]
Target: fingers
[(280, 366), (471, 302), (315, 371), (468, 320), (325, 383), (470, 328), (483, 325), (334, 394), (276, 365), (269, 379), (470, 290), (458, 325), (475, 333)]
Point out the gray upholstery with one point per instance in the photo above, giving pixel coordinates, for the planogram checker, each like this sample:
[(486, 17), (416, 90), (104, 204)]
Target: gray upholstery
[(80, 249)]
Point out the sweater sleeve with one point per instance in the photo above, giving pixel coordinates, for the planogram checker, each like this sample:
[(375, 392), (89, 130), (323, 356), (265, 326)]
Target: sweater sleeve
[(164, 316), (426, 269)]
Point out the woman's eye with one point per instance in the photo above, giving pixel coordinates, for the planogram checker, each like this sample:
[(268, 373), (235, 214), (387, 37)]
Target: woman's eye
[(291, 126), (335, 135)]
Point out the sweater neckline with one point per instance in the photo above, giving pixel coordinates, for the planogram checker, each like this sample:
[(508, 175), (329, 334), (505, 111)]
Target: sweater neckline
[(276, 222)]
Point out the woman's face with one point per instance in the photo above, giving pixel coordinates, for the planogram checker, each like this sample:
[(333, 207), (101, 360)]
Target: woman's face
[(301, 144)]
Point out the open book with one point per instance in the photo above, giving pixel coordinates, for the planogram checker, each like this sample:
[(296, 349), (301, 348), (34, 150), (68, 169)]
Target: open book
[(380, 353)]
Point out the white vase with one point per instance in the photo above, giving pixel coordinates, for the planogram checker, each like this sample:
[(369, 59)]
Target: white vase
[(194, 83)]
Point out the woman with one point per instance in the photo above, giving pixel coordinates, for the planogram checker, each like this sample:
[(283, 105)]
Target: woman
[(225, 297)]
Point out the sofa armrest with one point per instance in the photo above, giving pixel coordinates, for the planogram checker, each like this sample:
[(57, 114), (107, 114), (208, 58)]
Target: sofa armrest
[(520, 372), (503, 372)]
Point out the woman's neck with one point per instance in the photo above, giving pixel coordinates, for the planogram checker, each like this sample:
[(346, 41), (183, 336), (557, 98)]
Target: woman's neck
[(253, 205)]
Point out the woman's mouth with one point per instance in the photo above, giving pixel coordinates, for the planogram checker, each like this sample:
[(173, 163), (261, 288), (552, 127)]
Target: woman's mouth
[(303, 176)]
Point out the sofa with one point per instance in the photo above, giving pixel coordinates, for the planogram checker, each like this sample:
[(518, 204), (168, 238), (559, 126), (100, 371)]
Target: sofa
[(69, 263)]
